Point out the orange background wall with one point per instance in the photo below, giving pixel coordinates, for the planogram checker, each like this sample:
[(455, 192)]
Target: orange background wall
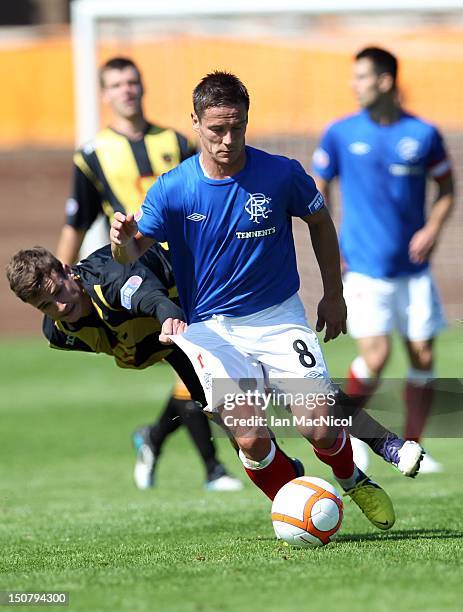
[(36, 105), (296, 86)]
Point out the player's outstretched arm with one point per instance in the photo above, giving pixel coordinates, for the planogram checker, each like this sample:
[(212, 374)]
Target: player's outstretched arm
[(332, 312), (127, 244)]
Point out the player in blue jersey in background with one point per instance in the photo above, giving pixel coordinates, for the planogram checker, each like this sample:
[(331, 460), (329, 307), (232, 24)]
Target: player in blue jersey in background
[(226, 214), (383, 157)]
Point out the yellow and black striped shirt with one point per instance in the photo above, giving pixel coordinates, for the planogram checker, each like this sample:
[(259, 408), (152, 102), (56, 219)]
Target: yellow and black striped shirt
[(130, 304), (113, 173)]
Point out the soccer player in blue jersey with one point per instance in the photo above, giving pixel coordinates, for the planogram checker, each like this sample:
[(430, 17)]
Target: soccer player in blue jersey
[(383, 157), (226, 214)]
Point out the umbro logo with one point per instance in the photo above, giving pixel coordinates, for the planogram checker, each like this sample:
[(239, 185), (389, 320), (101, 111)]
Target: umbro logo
[(196, 217), (359, 148)]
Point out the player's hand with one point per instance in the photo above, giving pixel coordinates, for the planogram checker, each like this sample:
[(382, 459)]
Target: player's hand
[(332, 315), (171, 327), (421, 245), (123, 228)]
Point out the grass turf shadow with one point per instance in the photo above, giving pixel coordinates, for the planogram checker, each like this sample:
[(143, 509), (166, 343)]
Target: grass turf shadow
[(404, 534)]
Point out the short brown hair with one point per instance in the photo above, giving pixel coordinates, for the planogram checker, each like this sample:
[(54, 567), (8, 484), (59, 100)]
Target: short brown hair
[(29, 268), (219, 89), (117, 63), (382, 60)]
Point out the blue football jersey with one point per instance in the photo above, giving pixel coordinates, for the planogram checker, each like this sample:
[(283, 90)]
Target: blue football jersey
[(382, 171), (231, 240)]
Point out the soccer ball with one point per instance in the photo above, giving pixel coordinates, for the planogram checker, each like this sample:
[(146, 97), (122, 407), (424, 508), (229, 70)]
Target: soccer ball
[(307, 512)]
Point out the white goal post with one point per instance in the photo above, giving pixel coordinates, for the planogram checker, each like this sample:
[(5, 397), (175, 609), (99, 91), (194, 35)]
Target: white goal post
[(85, 15)]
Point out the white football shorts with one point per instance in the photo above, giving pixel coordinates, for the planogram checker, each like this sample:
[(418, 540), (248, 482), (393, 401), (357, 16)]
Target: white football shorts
[(376, 306), (271, 349)]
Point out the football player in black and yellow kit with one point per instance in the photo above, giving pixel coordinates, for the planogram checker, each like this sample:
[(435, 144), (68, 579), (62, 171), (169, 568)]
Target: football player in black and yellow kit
[(114, 170), (100, 306)]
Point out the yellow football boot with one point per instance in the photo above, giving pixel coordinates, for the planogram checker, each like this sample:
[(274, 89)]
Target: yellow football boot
[(373, 501)]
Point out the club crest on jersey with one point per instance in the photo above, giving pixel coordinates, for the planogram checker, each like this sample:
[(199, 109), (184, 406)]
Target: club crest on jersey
[(408, 149), (138, 215), (129, 289), (257, 206)]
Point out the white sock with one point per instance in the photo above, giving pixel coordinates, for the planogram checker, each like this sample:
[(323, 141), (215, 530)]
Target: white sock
[(360, 370), (258, 465), (349, 483)]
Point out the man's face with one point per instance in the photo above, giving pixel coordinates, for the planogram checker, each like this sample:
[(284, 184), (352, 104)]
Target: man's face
[(367, 85), (221, 131), (62, 298), (123, 91)]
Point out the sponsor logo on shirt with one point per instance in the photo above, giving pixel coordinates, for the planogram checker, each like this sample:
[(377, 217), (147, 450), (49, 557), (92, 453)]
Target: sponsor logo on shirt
[(129, 289), (404, 170), (359, 148), (196, 217), (256, 233), (257, 206), (320, 158), (408, 149)]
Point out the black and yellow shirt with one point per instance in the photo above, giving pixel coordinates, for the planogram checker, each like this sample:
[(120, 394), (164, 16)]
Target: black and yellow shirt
[(113, 173), (130, 304)]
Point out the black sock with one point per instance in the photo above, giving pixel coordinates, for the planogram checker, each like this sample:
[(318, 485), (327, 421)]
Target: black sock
[(168, 422), (199, 429)]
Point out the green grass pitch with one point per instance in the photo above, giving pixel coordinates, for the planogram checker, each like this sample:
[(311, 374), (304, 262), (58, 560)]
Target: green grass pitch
[(72, 520)]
